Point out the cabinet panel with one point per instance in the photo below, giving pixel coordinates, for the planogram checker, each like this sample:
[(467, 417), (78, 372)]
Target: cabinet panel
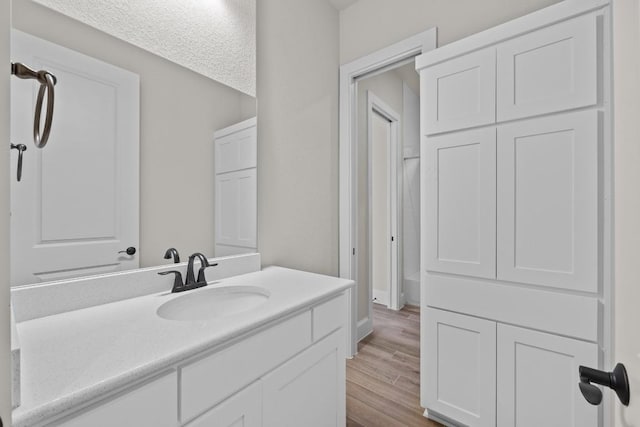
[(461, 92), (244, 409), (552, 69), (308, 390), (236, 208), (461, 197), (208, 381), (154, 404), (538, 380), (236, 151), (460, 377), (548, 201)]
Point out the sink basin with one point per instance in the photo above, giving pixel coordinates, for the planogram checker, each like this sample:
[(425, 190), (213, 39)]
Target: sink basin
[(211, 303)]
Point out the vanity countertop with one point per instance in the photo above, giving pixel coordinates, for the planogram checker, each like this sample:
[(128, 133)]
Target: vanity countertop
[(71, 358)]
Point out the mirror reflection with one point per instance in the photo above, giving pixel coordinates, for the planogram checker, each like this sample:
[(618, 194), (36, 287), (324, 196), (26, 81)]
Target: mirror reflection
[(153, 138)]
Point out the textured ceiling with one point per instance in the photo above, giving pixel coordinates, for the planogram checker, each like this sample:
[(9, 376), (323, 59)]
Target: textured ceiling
[(216, 38), (342, 4)]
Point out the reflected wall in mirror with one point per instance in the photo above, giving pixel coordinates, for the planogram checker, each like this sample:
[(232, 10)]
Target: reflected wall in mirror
[(114, 102)]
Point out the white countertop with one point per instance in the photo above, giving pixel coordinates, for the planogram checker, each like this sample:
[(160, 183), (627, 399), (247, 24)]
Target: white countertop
[(71, 358)]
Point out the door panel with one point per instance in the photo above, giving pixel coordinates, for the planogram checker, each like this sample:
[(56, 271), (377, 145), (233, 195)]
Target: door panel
[(549, 70), (244, 409), (538, 379), (462, 92), (308, 390), (236, 208), (460, 377), (77, 203), (460, 193), (548, 201)]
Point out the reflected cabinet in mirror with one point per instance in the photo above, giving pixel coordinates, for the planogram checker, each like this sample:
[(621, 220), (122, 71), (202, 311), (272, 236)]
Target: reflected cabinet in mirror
[(153, 139)]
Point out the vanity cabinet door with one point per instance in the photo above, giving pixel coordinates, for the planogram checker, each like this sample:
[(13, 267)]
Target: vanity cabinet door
[(538, 379), (552, 69), (154, 404), (236, 208), (244, 409), (459, 381), (548, 201), (461, 203), (308, 390), (461, 92)]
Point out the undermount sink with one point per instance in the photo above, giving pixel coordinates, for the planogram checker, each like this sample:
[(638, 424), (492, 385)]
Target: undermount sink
[(210, 303)]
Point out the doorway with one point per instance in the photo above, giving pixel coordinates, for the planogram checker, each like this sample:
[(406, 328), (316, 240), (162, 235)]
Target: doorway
[(356, 78), (383, 124)]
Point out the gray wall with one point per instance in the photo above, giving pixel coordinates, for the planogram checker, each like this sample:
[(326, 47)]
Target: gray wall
[(297, 87), (369, 25), (626, 44), (180, 110), (5, 330)]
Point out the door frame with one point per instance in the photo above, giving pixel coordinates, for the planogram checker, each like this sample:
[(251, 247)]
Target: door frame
[(375, 105), (375, 62)]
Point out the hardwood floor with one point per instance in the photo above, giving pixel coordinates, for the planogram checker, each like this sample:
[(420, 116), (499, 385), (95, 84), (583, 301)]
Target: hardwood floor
[(383, 379)]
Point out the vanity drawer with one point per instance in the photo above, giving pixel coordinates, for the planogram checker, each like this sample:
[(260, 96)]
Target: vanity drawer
[(154, 405), (329, 316), (210, 380)]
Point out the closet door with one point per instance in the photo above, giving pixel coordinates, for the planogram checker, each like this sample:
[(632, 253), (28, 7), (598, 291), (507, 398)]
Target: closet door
[(461, 92), (538, 380), (461, 203), (460, 377), (552, 69), (548, 201)]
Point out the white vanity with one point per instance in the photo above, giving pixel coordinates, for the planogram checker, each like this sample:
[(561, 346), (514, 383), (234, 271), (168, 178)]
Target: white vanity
[(277, 358)]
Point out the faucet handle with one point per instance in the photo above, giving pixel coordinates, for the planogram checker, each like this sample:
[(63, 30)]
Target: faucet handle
[(201, 278), (177, 281)]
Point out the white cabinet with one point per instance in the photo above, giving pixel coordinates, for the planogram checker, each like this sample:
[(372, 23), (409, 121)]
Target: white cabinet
[(548, 201), (517, 219), (236, 199), (538, 380), (210, 380), (154, 404), (460, 377), (308, 390), (236, 147), (552, 69), (461, 203), (461, 92), (244, 409), (483, 373), (236, 208)]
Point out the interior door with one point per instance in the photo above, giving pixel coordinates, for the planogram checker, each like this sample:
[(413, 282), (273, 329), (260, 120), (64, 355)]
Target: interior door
[(76, 206)]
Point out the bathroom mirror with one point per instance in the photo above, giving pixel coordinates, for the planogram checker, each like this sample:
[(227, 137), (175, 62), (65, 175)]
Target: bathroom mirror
[(172, 75)]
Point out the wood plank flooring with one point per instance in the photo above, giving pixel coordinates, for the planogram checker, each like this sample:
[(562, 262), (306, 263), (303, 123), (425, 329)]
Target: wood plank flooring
[(383, 379)]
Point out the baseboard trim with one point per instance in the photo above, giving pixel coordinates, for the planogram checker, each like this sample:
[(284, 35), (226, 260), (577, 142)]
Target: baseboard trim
[(381, 297), (434, 416), (365, 327)]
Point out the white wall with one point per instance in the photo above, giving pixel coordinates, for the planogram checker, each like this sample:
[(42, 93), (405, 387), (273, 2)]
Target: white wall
[(627, 200), (370, 25), (297, 88), (179, 112), (215, 38), (5, 351)]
